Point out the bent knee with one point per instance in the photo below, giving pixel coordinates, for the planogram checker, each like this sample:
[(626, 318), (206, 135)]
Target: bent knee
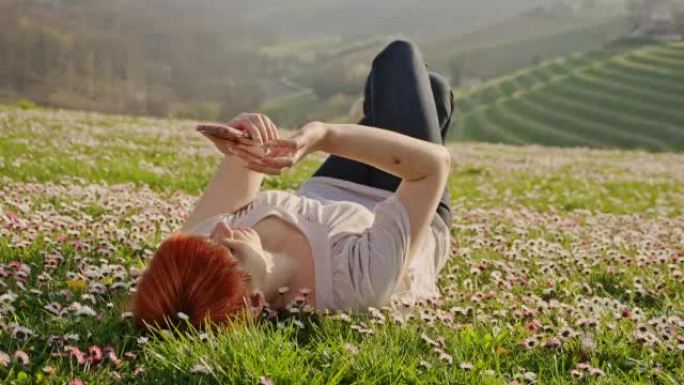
[(399, 50)]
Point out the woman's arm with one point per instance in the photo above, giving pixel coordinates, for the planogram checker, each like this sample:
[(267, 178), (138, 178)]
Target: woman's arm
[(232, 187), (423, 167), (401, 155)]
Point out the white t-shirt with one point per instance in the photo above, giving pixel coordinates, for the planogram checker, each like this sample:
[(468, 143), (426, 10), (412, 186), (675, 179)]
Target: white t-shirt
[(359, 237)]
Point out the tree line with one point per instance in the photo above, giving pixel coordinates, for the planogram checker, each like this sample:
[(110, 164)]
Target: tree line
[(127, 56)]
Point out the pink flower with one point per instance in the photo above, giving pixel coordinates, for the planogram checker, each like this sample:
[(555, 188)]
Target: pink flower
[(4, 358), (528, 343), (300, 298), (95, 354), (533, 326), (22, 357), (76, 352), (66, 294), (552, 343)]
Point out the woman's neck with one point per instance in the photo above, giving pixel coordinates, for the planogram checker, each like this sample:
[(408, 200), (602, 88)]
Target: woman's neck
[(284, 274), (278, 239)]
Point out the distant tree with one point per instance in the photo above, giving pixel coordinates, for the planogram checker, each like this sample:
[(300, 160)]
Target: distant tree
[(128, 56)]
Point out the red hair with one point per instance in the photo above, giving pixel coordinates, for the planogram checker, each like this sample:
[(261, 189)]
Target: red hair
[(192, 275)]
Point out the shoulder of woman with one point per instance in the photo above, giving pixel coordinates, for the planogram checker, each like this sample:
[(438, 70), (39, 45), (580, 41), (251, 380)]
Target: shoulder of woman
[(279, 198), (274, 195)]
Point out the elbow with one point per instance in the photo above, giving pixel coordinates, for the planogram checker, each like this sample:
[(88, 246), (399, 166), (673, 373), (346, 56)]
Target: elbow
[(447, 159), (438, 163), (443, 160)]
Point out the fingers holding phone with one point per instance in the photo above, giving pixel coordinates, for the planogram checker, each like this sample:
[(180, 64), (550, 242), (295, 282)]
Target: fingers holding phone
[(252, 132), (258, 127)]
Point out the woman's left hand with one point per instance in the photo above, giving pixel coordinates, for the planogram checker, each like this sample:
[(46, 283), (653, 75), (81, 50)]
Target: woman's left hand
[(285, 153)]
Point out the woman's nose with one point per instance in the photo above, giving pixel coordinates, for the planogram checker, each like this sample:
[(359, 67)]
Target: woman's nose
[(224, 230)]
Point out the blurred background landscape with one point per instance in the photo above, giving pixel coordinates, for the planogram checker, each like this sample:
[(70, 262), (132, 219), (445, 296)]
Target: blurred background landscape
[(596, 73)]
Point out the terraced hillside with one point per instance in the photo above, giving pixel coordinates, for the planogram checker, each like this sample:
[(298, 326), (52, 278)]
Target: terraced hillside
[(628, 95)]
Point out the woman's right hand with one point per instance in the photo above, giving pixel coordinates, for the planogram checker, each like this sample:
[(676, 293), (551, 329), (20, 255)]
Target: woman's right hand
[(285, 153), (258, 131)]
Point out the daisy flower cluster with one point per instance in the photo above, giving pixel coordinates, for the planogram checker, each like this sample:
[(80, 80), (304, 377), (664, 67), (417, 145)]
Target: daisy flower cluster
[(589, 272)]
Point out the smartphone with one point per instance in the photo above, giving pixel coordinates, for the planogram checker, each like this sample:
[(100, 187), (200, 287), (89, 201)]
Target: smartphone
[(233, 134), (224, 132)]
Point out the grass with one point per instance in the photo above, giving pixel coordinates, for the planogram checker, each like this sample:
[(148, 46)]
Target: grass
[(566, 266), (626, 95)]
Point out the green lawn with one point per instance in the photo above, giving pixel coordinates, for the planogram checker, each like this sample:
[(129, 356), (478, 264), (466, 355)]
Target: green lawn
[(567, 264)]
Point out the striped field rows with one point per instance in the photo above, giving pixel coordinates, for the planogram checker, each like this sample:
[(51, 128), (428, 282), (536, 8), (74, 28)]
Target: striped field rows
[(628, 95)]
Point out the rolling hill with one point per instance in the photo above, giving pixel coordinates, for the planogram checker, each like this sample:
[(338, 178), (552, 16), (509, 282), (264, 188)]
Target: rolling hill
[(627, 95), (330, 70), (517, 42)]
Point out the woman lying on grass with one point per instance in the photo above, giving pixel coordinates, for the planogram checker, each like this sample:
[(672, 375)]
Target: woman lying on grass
[(371, 226)]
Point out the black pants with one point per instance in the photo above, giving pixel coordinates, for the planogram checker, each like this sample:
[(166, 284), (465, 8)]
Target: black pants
[(401, 96)]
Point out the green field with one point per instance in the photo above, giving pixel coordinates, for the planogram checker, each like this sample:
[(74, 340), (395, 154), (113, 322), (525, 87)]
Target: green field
[(566, 265), (627, 95)]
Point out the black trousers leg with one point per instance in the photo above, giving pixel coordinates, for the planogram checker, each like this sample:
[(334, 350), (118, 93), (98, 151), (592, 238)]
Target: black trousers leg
[(401, 96), (444, 101)]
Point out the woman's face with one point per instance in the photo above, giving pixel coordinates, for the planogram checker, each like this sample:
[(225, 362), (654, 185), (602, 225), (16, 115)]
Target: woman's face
[(244, 245)]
